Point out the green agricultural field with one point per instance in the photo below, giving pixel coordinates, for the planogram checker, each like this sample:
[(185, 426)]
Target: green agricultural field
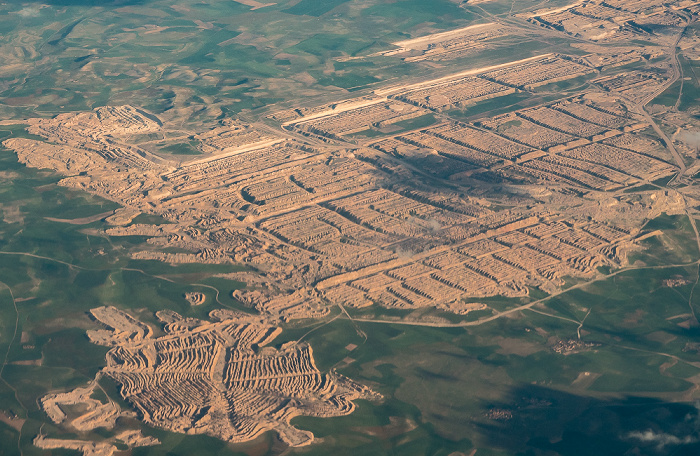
[(313, 8)]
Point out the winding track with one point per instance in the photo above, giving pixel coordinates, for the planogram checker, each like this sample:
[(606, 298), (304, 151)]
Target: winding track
[(529, 305), (640, 108)]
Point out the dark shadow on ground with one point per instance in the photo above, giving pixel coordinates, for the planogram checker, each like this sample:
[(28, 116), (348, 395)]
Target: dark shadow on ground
[(535, 420)]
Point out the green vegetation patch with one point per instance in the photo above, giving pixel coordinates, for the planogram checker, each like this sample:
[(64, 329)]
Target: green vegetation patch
[(324, 44), (690, 97), (314, 8), (419, 122), (349, 81), (675, 245), (669, 96), (412, 12), (189, 148)]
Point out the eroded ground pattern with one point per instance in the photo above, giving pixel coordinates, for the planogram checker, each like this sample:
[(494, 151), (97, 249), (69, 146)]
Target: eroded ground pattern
[(215, 378)]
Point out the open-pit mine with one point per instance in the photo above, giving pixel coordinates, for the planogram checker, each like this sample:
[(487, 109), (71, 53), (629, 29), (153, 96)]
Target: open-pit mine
[(213, 378), (475, 184), (328, 218)]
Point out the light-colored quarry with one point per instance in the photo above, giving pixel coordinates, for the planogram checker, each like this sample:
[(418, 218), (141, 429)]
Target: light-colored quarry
[(97, 414), (333, 225), (329, 224), (403, 198), (327, 216), (599, 20), (195, 298), (132, 439), (216, 378), (92, 414), (448, 45)]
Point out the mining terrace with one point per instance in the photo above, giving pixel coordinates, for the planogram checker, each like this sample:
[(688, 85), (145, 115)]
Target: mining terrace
[(394, 198), (328, 216)]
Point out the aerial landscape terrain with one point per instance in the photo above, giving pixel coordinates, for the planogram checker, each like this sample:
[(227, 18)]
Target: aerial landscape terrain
[(302, 227)]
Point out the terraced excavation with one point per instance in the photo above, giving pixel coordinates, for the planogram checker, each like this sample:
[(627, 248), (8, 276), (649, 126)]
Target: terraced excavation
[(216, 378)]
